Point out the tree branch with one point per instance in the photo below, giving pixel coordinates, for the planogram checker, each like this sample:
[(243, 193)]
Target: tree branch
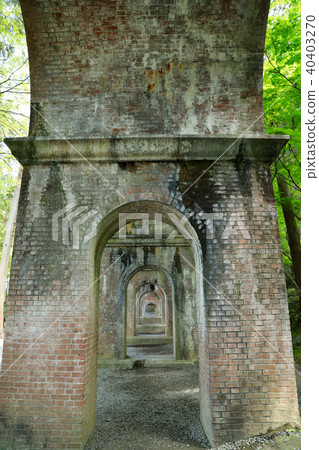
[(292, 280), (12, 73), (287, 181), (289, 173), (288, 256), (12, 112), (293, 152), (291, 212), (13, 87), (280, 73)]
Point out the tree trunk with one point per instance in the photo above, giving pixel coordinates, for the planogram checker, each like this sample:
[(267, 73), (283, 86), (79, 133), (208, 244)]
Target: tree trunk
[(6, 250), (292, 229)]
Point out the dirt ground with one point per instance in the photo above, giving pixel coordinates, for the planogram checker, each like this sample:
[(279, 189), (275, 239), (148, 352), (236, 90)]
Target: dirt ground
[(158, 408), (148, 408)]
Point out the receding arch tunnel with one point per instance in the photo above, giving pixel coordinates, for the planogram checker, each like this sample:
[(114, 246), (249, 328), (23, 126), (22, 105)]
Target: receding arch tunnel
[(148, 272)]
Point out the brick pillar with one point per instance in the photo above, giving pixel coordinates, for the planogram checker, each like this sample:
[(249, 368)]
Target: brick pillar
[(246, 364), (48, 359), (251, 373)]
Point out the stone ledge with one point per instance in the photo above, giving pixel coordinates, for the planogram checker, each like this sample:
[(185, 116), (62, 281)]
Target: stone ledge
[(176, 241), (135, 341), (130, 363), (29, 150)]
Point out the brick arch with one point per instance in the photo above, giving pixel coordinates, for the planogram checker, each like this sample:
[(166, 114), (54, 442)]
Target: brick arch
[(182, 204), (148, 296), (106, 229), (150, 301), (162, 297), (108, 226), (127, 275), (132, 270)]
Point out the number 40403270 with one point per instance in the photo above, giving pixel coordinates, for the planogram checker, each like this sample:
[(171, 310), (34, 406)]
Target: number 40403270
[(310, 44)]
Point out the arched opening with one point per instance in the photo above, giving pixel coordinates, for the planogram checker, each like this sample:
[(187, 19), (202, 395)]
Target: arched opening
[(135, 265), (150, 288), (150, 325), (150, 309)]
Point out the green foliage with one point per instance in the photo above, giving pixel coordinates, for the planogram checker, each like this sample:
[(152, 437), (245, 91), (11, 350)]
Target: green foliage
[(14, 99), (14, 76), (7, 185), (8, 181), (297, 354), (282, 103)]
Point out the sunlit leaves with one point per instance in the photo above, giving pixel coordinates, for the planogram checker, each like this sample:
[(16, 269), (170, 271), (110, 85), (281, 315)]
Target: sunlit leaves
[(14, 98), (282, 103), (282, 68), (14, 71)]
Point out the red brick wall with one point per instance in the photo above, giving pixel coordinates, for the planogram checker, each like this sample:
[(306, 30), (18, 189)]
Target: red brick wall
[(49, 391), (123, 67), (139, 68), (43, 393)]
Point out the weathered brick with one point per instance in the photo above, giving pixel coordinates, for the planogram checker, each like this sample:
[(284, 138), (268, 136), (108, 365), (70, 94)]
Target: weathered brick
[(193, 69)]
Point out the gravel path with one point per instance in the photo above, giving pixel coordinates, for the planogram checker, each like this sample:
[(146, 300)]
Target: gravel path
[(148, 409), (158, 408)]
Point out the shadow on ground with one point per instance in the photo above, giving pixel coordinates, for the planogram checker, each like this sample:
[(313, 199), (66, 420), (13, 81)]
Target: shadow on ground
[(158, 408), (148, 409)]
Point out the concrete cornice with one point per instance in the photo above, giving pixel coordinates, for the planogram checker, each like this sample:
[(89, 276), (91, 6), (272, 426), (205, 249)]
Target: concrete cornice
[(39, 150), (177, 241)]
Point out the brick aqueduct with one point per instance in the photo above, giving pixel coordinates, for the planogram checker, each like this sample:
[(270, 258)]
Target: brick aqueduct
[(147, 107)]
